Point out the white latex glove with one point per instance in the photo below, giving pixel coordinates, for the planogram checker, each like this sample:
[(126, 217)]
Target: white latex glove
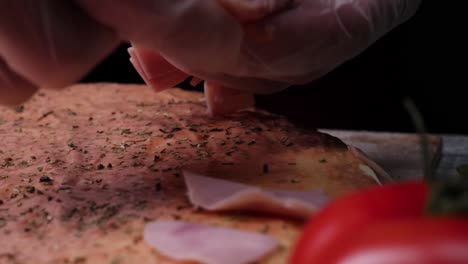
[(47, 43), (272, 44), (251, 45)]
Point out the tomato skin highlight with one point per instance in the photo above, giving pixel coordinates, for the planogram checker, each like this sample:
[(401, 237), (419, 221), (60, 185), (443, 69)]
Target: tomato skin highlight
[(345, 217), (413, 241)]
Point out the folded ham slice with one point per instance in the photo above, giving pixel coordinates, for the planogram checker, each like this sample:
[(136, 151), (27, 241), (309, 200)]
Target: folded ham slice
[(221, 195), (185, 241)]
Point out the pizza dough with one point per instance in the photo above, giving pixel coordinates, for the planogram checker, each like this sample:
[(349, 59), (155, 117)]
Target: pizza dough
[(83, 170)]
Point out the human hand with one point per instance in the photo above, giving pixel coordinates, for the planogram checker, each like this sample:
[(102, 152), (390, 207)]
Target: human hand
[(274, 45), (47, 43), (254, 46)]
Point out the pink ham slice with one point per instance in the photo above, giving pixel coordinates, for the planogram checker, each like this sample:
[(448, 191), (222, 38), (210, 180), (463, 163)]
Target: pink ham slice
[(221, 195), (184, 241)]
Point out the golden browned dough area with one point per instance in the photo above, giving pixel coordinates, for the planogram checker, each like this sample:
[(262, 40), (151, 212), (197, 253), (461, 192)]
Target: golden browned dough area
[(82, 170)]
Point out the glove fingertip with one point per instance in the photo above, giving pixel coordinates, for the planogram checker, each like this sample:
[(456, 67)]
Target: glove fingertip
[(14, 89)]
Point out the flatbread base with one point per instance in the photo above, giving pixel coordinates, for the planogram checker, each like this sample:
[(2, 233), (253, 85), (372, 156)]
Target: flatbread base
[(82, 171)]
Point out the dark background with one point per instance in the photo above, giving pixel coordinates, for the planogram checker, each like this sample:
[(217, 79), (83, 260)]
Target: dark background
[(415, 60)]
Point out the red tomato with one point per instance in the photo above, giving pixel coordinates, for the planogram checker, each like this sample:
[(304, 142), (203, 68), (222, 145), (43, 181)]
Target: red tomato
[(343, 218), (413, 241)]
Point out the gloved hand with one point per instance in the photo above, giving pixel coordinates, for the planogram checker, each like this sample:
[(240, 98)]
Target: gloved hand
[(278, 43), (47, 43), (251, 45)]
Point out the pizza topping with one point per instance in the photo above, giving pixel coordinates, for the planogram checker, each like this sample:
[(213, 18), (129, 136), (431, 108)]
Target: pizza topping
[(184, 241), (218, 103), (221, 195), (371, 168)]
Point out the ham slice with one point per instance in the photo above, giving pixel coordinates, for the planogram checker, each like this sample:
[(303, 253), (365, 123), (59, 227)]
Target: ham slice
[(222, 100), (221, 195), (184, 241)]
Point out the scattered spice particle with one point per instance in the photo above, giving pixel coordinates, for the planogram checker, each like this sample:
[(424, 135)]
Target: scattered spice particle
[(156, 158), (266, 168), (199, 145), (238, 141), (109, 166), (158, 186), (126, 131), (294, 181), (285, 142), (166, 169), (265, 229), (30, 189), (46, 114), (137, 164), (109, 212), (71, 113), (177, 217), (116, 260), (100, 166), (140, 204), (216, 130), (7, 162), (251, 143), (19, 109), (3, 177), (72, 145), (79, 260), (24, 163), (323, 161), (168, 136), (14, 194), (144, 133), (46, 180), (69, 214)]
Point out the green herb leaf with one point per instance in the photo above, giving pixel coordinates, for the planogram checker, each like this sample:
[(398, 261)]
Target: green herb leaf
[(421, 129)]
